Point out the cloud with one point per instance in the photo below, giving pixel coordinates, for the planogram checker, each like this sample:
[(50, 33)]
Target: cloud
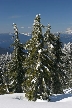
[(22, 27), (68, 30), (29, 27), (15, 16)]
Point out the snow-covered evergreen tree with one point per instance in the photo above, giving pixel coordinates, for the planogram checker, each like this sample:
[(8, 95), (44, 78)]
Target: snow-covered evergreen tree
[(67, 50), (16, 70), (3, 77), (49, 41), (2, 84), (54, 45), (70, 64), (58, 74), (49, 37), (38, 74)]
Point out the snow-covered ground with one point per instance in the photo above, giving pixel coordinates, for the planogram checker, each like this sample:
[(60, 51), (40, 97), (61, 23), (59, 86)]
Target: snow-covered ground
[(18, 100)]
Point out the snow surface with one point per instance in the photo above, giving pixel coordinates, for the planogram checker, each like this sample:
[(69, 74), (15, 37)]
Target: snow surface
[(18, 100)]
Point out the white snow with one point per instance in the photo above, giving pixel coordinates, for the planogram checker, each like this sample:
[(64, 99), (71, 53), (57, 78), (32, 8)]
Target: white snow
[(18, 100), (66, 48), (52, 46), (34, 80), (39, 51), (36, 15), (38, 65), (46, 68), (69, 90), (16, 29)]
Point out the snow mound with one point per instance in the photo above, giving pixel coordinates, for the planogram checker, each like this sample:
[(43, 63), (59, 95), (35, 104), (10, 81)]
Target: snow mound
[(18, 100)]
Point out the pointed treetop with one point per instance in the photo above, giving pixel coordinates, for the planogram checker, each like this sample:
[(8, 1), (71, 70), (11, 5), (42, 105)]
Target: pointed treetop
[(15, 30), (15, 27), (49, 27), (38, 15), (37, 20)]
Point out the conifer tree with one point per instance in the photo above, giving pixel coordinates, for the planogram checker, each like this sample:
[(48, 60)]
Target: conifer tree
[(58, 74), (37, 73), (70, 65), (49, 41), (3, 79), (2, 87), (2, 84), (54, 45), (49, 38), (16, 70), (67, 58)]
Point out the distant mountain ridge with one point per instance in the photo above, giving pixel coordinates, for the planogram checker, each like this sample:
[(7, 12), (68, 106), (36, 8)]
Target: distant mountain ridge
[(66, 38), (6, 40), (4, 51)]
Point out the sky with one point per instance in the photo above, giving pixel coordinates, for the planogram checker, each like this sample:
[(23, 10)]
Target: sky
[(58, 13)]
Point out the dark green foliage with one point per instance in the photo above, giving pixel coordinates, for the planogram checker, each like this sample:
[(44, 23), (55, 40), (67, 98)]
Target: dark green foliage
[(37, 73), (70, 65), (3, 79), (67, 58), (49, 38), (58, 75), (2, 84), (54, 45), (16, 71)]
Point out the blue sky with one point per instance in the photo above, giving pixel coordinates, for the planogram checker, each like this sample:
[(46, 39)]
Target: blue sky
[(22, 12)]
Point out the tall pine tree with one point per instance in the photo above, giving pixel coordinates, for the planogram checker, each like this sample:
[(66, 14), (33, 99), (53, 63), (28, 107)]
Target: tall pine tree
[(2, 83), (67, 58), (3, 78), (16, 70), (54, 45), (49, 41), (37, 73), (58, 74)]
